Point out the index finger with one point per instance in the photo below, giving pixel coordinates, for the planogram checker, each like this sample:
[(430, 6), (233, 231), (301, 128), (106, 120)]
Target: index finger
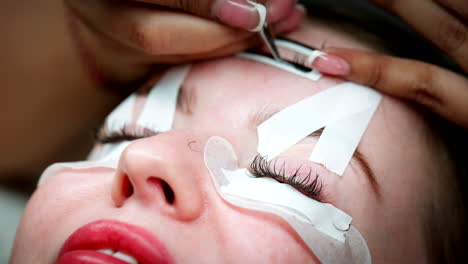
[(437, 24), (238, 13), (440, 90)]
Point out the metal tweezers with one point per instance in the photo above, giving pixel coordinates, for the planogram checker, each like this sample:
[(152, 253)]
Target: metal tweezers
[(269, 42)]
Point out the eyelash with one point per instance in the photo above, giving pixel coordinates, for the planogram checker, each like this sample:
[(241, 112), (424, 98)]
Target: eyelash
[(104, 136), (261, 167)]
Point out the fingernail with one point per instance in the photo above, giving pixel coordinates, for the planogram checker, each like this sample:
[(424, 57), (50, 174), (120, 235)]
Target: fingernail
[(332, 65), (237, 13)]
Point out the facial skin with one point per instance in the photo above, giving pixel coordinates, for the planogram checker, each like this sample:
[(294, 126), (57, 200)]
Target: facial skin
[(199, 227)]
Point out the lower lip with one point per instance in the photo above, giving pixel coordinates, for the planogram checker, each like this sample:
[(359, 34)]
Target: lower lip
[(88, 257), (83, 245)]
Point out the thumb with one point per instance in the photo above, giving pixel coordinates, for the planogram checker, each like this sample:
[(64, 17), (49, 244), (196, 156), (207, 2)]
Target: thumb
[(238, 13), (440, 90)]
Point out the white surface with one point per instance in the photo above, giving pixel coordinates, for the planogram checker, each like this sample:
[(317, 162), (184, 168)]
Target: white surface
[(121, 115), (322, 216), (219, 156), (345, 111), (313, 75), (160, 106)]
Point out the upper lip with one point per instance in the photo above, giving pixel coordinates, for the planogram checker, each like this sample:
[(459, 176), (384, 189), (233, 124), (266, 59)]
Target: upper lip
[(110, 234)]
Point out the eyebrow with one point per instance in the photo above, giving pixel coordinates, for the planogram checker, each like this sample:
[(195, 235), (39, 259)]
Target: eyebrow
[(260, 115)]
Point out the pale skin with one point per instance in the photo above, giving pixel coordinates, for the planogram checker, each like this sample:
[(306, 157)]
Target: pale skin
[(395, 145), (66, 93)]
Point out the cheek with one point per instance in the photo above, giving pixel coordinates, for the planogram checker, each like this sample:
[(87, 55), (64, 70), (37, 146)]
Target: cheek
[(56, 209), (260, 238)]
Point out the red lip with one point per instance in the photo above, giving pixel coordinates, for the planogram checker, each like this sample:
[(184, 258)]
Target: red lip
[(135, 241)]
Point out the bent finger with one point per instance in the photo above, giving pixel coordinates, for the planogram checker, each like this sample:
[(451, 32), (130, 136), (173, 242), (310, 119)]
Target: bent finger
[(440, 90), (435, 23), (229, 49), (153, 31), (458, 7), (238, 13)]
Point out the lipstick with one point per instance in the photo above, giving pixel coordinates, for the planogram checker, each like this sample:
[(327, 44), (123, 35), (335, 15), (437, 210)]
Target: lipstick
[(113, 242)]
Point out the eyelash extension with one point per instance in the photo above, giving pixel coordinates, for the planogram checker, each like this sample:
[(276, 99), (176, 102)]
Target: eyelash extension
[(261, 167), (103, 136)]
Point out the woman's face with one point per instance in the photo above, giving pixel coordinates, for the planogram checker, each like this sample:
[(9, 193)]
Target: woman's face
[(221, 98)]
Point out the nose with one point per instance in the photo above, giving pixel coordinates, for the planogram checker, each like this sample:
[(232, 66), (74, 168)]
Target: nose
[(164, 171)]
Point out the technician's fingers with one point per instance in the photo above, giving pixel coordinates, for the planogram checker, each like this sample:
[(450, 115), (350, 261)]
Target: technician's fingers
[(449, 32), (218, 53), (459, 7), (442, 91), (162, 32), (238, 13), (153, 31)]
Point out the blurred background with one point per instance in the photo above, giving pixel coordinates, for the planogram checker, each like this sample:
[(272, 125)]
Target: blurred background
[(34, 47)]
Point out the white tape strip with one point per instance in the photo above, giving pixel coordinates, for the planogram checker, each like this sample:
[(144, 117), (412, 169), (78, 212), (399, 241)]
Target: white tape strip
[(160, 106), (109, 160), (324, 217), (313, 75), (340, 139), (121, 115), (261, 15), (347, 108)]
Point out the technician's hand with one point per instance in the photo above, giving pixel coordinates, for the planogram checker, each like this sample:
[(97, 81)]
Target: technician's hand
[(122, 39), (440, 90), (445, 23)]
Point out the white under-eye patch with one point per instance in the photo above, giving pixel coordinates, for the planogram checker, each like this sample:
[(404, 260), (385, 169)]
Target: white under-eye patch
[(158, 115), (326, 230)]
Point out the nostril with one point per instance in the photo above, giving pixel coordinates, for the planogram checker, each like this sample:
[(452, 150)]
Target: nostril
[(127, 187), (168, 192)]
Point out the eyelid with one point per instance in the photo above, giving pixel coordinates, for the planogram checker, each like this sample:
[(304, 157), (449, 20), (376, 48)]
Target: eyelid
[(128, 132)]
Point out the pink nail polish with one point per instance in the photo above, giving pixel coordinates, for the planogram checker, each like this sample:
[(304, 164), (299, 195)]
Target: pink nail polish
[(332, 65), (237, 13)]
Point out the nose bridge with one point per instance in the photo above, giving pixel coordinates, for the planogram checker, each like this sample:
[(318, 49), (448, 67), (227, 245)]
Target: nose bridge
[(166, 171)]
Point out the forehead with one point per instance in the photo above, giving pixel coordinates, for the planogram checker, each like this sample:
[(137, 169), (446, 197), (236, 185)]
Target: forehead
[(241, 83)]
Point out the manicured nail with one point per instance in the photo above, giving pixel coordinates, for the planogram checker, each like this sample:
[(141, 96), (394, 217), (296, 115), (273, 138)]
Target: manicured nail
[(332, 65), (237, 13)]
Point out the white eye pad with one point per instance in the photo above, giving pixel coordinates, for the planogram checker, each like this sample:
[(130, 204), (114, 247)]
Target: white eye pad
[(158, 114), (313, 75), (325, 229), (111, 160)]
